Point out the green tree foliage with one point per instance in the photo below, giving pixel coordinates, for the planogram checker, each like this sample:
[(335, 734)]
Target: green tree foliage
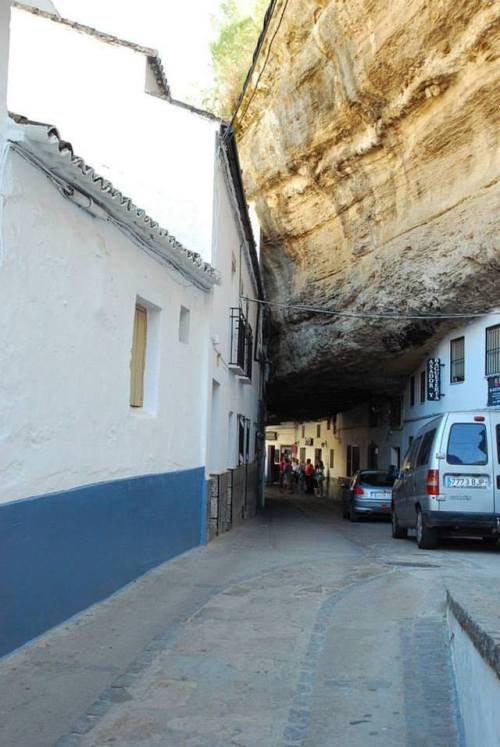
[(232, 51)]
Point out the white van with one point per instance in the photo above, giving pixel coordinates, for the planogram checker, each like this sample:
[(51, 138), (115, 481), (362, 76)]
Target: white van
[(450, 479)]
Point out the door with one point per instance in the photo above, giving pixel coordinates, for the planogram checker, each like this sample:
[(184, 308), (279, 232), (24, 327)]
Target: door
[(495, 427), (466, 482), (407, 486)]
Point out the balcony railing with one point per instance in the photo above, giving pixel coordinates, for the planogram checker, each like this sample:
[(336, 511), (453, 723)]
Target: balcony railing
[(241, 347)]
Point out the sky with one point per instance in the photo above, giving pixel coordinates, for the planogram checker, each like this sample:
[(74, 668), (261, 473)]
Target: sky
[(180, 30)]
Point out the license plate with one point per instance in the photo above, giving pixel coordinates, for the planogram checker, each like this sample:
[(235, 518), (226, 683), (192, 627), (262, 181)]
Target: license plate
[(384, 495), (466, 481)]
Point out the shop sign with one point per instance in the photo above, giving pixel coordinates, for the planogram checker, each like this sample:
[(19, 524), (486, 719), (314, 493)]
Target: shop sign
[(493, 391), (434, 379), (271, 435)]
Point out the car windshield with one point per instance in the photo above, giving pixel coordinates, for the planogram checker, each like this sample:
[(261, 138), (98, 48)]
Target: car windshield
[(377, 479)]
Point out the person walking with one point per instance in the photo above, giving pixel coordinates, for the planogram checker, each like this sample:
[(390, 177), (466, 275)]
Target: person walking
[(302, 477), (287, 476), (282, 471), (309, 475), (295, 475), (319, 478)]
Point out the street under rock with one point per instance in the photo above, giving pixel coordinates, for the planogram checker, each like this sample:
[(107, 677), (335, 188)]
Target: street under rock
[(298, 628)]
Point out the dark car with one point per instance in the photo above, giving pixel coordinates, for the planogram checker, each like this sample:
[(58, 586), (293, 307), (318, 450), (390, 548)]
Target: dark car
[(370, 492)]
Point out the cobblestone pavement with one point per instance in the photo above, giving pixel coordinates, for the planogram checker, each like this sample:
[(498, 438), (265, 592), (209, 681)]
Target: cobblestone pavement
[(297, 629)]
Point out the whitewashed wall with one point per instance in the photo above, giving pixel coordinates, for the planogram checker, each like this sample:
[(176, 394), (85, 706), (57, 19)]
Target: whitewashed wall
[(69, 284), (469, 394), (351, 428), (158, 154), (4, 59), (233, 398)]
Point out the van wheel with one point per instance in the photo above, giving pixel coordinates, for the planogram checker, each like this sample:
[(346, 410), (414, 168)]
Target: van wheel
[(397, 532), (490, 539), (427, 537)]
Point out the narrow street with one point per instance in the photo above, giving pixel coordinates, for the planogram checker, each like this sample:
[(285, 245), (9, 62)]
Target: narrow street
[(298, 628)]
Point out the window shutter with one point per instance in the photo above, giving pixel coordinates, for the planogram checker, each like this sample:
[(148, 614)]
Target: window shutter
[(138, 360)]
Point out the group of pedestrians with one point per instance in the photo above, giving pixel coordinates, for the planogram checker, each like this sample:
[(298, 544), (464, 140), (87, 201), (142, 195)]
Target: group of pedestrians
[(303, 477)]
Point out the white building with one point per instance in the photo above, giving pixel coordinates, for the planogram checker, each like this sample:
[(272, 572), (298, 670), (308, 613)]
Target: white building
[(467, 362), (126, 381), (366, 436), (465, 371)]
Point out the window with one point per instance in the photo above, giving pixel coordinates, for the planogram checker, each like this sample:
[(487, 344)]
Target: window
[(457, 360), (332, 458), (184, 324), (412, 391), (318, 430), (493, 350), (138, 358), (328, 424), (467, 444), (422, 386), (395, 412), (372, 456), (412, 454), (303, 431), (352, 461), (377, 479), (302, 454), (241, 439), (241, 345), (426, 448)]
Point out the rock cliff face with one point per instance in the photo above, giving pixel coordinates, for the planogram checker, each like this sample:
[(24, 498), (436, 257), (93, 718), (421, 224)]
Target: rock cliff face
[(369, 143)]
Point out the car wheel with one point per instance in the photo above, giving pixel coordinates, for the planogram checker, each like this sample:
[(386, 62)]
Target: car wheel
[(427, 537), (490, 539), (397, 532)]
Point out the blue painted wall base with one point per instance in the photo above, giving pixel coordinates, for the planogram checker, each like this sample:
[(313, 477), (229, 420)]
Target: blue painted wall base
[(60, 553)]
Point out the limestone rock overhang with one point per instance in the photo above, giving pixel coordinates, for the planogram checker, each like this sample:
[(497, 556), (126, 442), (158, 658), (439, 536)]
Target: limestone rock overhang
[(368, 137)]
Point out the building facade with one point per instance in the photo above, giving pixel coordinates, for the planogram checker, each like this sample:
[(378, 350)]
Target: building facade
[(462, 372), (132, 363), (465, 375)]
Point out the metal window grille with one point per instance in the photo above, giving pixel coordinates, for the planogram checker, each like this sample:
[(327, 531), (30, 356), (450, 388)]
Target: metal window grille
[(493, 350), (241, 344), (422, 386), (457, 360)]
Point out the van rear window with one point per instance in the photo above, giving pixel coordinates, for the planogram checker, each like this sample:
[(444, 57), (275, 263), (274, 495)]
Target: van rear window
[(467, 444)]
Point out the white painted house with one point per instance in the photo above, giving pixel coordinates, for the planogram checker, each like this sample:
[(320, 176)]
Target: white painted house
[(465, 366), (468, 362), (131, 365)]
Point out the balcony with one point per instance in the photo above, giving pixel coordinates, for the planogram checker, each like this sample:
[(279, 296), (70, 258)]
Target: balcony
[(241, 346)]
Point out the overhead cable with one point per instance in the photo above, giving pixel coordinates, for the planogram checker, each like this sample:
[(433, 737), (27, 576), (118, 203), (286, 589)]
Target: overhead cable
[(271, 10), (392, 315)]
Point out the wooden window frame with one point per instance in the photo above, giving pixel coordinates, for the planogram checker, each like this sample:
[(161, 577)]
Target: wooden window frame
[(138, 356)]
